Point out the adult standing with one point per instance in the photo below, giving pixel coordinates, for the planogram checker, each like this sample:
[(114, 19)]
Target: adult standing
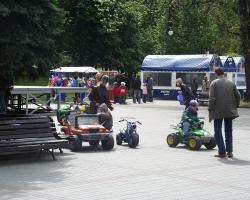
[(205, 84), (149, 82), (224, 99), (186, 92), (137, 90), (194, 86), (6, 84), (99, 95)]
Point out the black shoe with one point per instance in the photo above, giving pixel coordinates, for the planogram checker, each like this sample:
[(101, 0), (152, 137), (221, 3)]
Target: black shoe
[(230, 155), (220, 155)]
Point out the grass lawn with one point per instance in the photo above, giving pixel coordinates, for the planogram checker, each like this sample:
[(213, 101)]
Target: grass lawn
[(41, 81)]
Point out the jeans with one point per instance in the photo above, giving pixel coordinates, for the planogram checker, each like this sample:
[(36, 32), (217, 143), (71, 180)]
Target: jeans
[(122, 99), (137, 96), (144, 98), (185, 128), (150, 95), (228, 135)]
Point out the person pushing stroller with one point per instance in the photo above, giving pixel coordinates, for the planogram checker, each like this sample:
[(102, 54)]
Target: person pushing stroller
[(189, 119)]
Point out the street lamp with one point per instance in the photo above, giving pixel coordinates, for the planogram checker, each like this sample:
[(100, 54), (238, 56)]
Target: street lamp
[(170, 31)]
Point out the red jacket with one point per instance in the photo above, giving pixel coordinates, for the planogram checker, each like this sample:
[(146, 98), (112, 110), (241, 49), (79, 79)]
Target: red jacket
[(123, 90), (116, 91)]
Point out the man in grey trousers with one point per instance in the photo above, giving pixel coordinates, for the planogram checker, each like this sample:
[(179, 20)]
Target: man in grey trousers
[(224, 99)]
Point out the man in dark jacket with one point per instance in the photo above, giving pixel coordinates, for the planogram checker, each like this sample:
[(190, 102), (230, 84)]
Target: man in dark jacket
[(137, 90), (224, 99), (149, 82), (99, 95), (6, 84), (186, 92)]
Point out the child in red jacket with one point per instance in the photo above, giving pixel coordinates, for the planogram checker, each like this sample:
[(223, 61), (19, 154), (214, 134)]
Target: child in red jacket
[(116, 92), (123, 93)]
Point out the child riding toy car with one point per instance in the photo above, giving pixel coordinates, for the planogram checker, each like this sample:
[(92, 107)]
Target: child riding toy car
[(63, 113), (190, 131), (86, 128), (129, 133)]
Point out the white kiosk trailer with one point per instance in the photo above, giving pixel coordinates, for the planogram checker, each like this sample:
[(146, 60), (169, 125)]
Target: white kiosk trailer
[(165, 69)]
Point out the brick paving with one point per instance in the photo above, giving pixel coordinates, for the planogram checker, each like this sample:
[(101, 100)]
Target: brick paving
[(151, 171)]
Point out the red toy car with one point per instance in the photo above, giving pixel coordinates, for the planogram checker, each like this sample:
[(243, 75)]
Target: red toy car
[(86, 128)]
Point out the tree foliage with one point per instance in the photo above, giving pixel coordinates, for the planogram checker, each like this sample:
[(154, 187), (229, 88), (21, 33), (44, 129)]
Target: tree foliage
[(28, 35), (117, 34)]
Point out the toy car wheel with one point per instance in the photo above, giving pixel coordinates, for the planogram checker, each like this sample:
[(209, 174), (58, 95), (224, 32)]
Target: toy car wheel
[(108, 144), (211, 144), (118, 139), (134, 140), (75, 144), (194, 143), (93, 143), (62, 119), (173, 139)]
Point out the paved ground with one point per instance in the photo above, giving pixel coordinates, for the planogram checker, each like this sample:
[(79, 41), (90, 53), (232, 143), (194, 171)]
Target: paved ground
[(152, 171)]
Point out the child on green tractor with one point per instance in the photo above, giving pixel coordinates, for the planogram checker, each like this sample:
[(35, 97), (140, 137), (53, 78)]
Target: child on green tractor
[(189, 119)]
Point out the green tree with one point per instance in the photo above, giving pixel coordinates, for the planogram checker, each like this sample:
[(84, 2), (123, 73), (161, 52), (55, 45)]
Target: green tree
[(28, 35), (244, 12)]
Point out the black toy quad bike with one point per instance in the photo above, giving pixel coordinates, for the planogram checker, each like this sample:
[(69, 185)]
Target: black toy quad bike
[(128, 134)]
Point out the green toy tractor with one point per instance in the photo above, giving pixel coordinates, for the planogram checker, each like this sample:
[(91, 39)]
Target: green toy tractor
[(196, 139), (63, 113)]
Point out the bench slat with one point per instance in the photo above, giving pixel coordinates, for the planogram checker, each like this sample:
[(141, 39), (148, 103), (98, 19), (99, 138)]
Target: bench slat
[(24, 121), (31, 147), (25, 131), (24, 126), (48, 140), (27, 136)]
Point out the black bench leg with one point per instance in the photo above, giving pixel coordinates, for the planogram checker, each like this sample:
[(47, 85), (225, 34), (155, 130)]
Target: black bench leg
[(40, 153), (53, 155), (61, 151)]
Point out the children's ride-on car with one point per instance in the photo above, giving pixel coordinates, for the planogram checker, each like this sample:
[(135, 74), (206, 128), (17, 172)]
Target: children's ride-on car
[(129, 133), (86, 128), (196, 138)]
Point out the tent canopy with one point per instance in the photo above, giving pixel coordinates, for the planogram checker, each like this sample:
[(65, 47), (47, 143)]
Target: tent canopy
[(239, 62), (74, 70), (228, 63), (180, 62)]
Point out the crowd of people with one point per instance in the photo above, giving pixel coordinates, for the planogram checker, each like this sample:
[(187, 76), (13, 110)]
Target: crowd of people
[(120, 86)]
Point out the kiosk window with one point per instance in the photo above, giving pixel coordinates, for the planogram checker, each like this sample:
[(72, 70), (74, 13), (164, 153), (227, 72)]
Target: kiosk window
[(159, 79), (189, 77), (164, 79), (241, 80)]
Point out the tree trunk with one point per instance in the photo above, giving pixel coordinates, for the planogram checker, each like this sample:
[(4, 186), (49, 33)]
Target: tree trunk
[(244, 9)]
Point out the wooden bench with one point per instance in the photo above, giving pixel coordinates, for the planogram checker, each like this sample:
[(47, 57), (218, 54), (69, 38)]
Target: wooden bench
[(19, 134)]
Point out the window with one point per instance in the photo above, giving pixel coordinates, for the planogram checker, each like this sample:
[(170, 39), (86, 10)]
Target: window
[(188, 78), (164, 79), (241, 80), (159, 78)]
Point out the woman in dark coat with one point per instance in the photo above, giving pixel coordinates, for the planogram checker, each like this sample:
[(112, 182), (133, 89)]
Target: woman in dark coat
[(99, 95), (186, 92)]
